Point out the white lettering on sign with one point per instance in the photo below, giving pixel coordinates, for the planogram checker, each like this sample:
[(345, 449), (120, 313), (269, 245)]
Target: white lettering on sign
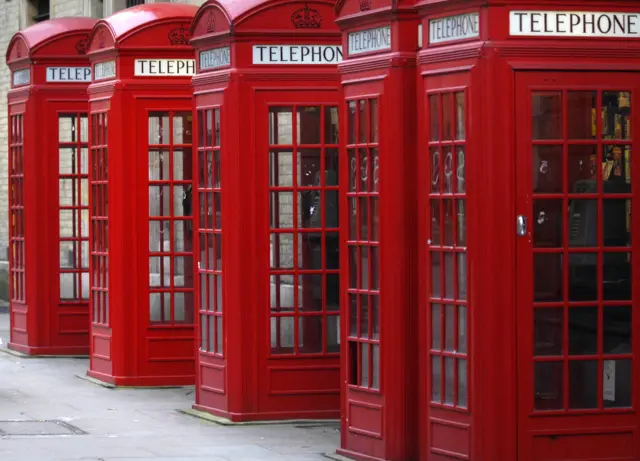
[(217, 57), (451, 28), (574, 24), (165, 67), (297, 54), (104, 70), (22, 77), (68, 74), (368, 40)]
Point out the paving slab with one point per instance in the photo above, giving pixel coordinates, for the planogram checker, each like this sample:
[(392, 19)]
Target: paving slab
[(42, 401)]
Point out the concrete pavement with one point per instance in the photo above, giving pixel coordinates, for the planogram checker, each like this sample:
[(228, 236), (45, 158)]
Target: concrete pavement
[(92, 423)]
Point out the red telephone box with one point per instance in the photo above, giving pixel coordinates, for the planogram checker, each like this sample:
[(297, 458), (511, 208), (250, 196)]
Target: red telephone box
[(528, 337), (379, 392), (266, 102), (48, 188), (141, 215)]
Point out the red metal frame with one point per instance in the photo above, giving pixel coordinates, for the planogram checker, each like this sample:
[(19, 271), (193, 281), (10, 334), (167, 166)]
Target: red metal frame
[(143, 331), (577, 313), (253, 371), (48, 190)]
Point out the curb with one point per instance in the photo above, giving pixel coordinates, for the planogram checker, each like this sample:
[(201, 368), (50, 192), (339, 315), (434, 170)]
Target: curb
[(227, 422)]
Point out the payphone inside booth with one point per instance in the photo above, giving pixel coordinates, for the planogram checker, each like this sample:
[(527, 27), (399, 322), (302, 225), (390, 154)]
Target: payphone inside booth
[(48, 188), (266, 105), (142, 214)]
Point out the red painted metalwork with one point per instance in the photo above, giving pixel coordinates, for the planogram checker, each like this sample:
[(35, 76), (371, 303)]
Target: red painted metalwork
[(378, 260), (536, 330), (142, 223), (268, 220), (48, 185)]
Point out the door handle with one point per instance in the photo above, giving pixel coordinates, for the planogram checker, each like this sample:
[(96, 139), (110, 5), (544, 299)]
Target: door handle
[(521, 225)]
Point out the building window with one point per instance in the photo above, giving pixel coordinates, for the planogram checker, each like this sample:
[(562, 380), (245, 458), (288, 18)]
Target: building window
[(131, 3), (41, 8)]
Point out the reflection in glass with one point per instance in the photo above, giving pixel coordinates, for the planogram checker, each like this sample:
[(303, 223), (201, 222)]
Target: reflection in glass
[(364, 268), (547, 114), (463, 387), (581, 114), (308, 124), (365, 169), (353, 170), (582, 169), (310, 334), (375, 219), (448, 170), (436, 164), (364, 363), (548, 384), (281, 251), (462, 329), (353, 315), (547, 223), (332, 292), (461, 224), (282, 334), (547, 169), (548, 331), (353, 267), (364, 218), (310, 292), (364, 316), (159, 232), (333, 333), (582, 225), (67, 128), (310, 251), (583, 330), (209, 130), (362, 128), (583, 384), (616, 222), (281, 206), (280, 125), (160, 307), (308, 169), (461, 186), (616, 383), (616, 115), (375, 366), (67, 159), (159, 201), (435, 222), (462, 276), (449, 236), (182, 170), (436, 275)]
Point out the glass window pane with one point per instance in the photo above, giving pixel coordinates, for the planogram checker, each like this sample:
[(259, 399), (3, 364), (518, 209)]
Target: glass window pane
[(282, 334), (447, 117), (616, 283), (450, 328), (182, 128), (436, 327), (353, 267), (461, 186), (353, 315), (375, 367), (617, 329), (583, 384), (375, 219), (547, 115), (581, 114), (159, 128), (182, 169), (460, 116), (548, 276), (375, 316), (449, 236), (159, 236), (583, 277), (333, 334), (67, 191), (616, 223), (374, 274), (582, 225), (183, 271), (362, 128), (159, 201), (353, 169), (436, 379), (462, 276), (308, 167), (203, 333), (547, 169), (332, 292), (219, 297), (450, 380), (435, 169), (310, 292), (181, 200), (309, 124), (435, 222), (582, 169), (68, 223), (463, 385), (281, 125), (351, 122), (548, 331), (434, 117), (310, 334), (436, 274), (617, 384), (616, 169), (448, 170), (309, 251), (449, 275), (583, 330), (281, 251), (547, 223), (548, 386), (219, 335), (616, 115), (363, 209), (212, 333), (68, 286), (364, 365), (84, 129), (373, 120), (462, 329), (67, 129), (461, 223), (364, 317), (331, 125)]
